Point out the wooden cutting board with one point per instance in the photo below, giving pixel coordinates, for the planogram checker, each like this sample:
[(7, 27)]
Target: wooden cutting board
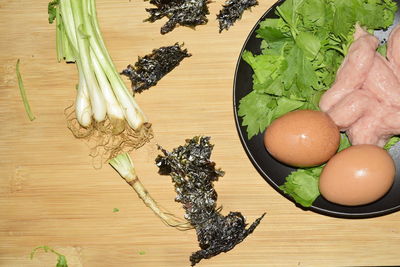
[(50, 193)]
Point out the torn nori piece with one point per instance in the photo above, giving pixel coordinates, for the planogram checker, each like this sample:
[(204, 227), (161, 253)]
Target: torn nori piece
[(231, 11), (179, 12), (193, 174), (149, 69)]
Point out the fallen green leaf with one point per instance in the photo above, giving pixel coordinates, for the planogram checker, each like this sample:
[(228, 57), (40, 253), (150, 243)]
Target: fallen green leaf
[(61, 259), (23, 93)]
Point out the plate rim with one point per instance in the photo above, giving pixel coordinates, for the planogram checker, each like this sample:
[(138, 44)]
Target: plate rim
[(319, 210)]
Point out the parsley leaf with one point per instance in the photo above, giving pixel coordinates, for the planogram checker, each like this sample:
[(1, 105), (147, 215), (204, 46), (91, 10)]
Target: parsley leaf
[(392, 141), (314, 14), (255, 112), (52, 10), (382, 49), (302, 185), (309, 43), (344, 142)]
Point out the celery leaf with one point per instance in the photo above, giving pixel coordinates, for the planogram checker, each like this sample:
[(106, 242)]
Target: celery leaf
[(302, 185)]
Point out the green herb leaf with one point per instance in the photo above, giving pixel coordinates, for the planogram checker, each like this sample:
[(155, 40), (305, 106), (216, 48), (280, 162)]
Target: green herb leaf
[(382, 49), (255, 112), (285, 105), (314, 14), (288, 11), (115, 210), (272, 35), (344, 142), (377, 14), (262, 73), (52, 10), (275, 36), (302, 185), (392, 141), (23, 93), (306, 78), (309, 43), (61, 259), (345, 16)]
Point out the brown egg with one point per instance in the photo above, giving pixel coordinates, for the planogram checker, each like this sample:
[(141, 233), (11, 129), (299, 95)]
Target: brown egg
[(357, 175), (302, 138)]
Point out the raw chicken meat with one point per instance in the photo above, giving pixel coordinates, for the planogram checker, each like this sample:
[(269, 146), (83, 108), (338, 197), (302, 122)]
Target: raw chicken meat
[(364, 101), (382, 82), (353, 70), (350, 108), (373, 128), (393, 49)]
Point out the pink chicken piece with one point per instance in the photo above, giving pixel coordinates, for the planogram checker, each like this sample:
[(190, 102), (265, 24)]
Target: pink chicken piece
[(382, 82), (393, 50), (365, 119), (369, 112), (352, 107), (375, 128), (353, 70)]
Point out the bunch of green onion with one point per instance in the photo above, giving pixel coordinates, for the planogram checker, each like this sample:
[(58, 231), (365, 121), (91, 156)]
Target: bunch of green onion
[(101, 92)]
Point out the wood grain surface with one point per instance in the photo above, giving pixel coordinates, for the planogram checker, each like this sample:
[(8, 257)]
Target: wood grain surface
[(50, 194)]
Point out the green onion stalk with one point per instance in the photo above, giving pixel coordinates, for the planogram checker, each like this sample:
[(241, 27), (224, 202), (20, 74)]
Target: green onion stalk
[(101, 92), (124, 166)]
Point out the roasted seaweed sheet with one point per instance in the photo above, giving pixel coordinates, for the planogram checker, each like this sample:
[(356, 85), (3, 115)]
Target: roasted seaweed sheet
[(193, 174), (179, 12), (148, 70), (232, 11)]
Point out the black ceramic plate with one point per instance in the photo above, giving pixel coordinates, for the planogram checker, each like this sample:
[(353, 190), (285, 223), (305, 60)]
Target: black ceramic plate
[(273, 171)]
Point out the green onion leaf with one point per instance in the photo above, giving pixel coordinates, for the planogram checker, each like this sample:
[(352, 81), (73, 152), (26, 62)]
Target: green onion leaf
[(23, 94)]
